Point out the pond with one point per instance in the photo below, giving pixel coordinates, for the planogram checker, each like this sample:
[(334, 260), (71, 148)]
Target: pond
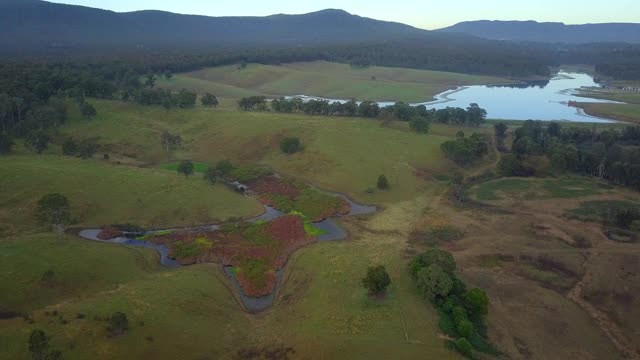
[(546, 100)]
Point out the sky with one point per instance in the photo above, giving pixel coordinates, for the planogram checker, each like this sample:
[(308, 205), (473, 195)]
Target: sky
[(426, 14)]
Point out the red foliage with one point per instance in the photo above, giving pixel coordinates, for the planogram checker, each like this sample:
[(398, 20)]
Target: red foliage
[(273, 185), (109, 233), (254, 290)]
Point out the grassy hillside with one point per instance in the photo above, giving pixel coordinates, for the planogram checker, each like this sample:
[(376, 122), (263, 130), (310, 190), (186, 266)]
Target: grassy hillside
[(323, 311), (341, 154), (621, 112), (324, 79), (102, 193)]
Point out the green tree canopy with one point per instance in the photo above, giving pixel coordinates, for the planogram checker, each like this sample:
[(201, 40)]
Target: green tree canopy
[(434, 282), (377, 280), (477, 301), (209, 100), (383, 182), (54, 209), (185, 167), (290, 145)]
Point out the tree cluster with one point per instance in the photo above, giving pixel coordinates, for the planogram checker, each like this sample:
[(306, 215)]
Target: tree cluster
[(462, 310), (465, 150), (253, 103), (326, 108), (538, 148)]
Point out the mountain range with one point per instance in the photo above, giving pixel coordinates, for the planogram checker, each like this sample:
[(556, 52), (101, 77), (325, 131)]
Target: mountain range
[(549, 32), (32, 23)]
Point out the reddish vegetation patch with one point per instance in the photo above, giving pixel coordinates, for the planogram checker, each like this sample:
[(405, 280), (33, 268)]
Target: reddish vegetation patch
[(109, 233), (253, 289), (272, 184), (236, 245)]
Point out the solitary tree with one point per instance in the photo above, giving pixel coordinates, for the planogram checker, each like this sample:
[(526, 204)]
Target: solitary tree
[(170, 141), (224, 167), (211, 175), (38, 344), (118, 324), (209, 100), (420, 125), (185, 167), (54, 209), (377, 280), (290, 145), (383, 183), (150, 81), (87, 110), (501, 133)]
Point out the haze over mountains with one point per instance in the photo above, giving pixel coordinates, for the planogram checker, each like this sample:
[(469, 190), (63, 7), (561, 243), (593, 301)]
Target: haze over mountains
[(549, 32), (34, 24), (29, 23)]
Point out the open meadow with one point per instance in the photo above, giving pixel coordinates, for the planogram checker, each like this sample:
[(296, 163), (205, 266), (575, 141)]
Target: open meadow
[(516, 239), (325, 79)]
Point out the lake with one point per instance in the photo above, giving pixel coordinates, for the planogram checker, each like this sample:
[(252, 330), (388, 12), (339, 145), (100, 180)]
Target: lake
[(535, 101)]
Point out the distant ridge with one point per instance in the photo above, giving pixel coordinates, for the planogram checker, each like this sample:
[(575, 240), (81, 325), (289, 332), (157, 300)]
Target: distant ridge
[(33, 23), (549, 32)]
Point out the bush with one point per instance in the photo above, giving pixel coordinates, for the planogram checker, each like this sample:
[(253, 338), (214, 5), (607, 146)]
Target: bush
[(69, 147), (290, 145), (383, 183), (420, 125), (442, 258), (434, 282), (211, 175), (477, 302), (118, 324), (463, 346), (185, 167), (465, 328), (377, 280)]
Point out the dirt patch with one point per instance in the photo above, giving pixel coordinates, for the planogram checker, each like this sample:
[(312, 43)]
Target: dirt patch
[(546, 229), (272, 352)]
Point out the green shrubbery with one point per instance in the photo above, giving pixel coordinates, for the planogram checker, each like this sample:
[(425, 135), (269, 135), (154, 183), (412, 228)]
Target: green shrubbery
[(461, 310)]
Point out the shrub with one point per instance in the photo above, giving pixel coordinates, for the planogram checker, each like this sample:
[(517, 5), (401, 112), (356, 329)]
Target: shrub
[(377, 280), (118, 324), (420, 125), (477, 301), (383, 183), (465, 328), (69, 147), (290, 145), (442, 258), (211, 175), (463, 346), (185, 167), (434, 282)]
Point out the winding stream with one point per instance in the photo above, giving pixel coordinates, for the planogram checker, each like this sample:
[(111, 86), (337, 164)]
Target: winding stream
[(331, 232)]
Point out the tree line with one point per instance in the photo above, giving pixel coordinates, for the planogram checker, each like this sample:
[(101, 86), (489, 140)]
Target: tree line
[(419, 116), (539, 148)]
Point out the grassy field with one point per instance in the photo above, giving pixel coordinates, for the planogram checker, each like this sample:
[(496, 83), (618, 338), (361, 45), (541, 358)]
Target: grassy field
[(536, 189), (102, 193), (323, 312), (324, 79), (340, 154), (621, 112)]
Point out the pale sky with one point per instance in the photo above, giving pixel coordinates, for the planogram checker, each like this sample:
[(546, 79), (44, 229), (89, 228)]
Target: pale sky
[(427, 14)]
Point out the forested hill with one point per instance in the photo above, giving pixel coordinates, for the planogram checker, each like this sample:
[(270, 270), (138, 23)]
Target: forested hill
[(33, 23), (549, 32)]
